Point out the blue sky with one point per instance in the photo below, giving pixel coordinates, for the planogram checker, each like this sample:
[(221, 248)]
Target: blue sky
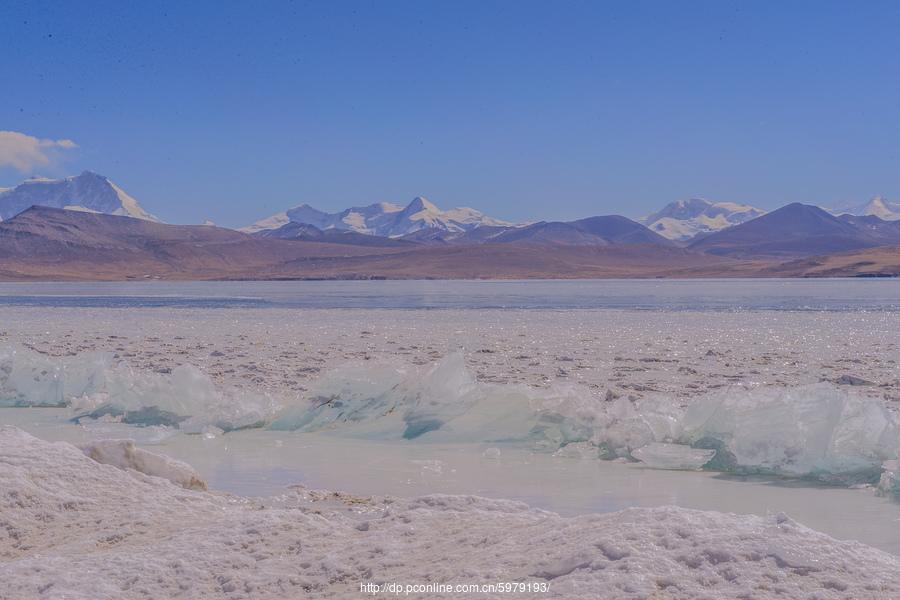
[(526, 110)]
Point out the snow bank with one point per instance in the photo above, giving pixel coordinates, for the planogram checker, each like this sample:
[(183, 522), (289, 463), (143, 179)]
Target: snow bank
[(99, 387), (125, 455), (78, 529)]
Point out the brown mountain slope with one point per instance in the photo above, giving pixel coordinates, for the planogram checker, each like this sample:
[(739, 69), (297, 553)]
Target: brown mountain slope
[(46, 243), (51, 243), (883, 261), (792, 231), (520, 261)]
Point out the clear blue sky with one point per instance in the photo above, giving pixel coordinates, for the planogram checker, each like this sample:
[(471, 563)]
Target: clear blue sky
[(526, 110)]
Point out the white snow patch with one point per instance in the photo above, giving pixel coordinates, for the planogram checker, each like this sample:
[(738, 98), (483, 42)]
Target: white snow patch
[(273, 222), (683, 219), (77, 208), (125, 455)]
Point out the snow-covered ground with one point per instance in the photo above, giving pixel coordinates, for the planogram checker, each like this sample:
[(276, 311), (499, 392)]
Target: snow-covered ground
[(76, 528)]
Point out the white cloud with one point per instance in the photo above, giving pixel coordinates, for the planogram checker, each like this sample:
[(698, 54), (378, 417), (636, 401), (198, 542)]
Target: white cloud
[(25, 152)]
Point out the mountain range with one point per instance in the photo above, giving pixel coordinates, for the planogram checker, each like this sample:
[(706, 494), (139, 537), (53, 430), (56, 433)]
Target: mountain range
[(52, 243), (383, 219), (86, 227), (876, 207), (49, 243), (799, 230)]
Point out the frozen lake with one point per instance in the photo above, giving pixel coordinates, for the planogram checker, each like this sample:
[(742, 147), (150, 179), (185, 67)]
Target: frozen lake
[(701, 294)]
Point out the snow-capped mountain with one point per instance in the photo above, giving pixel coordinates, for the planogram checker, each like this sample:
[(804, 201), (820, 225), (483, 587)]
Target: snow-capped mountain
[(877, 206), (384, 218), (684, 219), (86, 192)]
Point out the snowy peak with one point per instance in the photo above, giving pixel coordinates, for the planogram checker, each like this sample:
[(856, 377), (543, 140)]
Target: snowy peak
[(684, 219), (383, 219), (422, 214), (420, 204), (877, 206), (87, 192)]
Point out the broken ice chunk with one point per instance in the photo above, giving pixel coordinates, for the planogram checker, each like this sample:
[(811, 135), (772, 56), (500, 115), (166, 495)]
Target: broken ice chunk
[(492, 453), (673, 456), (889, 484)]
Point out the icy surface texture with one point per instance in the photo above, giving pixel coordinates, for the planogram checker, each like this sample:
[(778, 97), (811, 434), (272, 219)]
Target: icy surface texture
[(31, 379), (889, 483), (100, 388), (673, 456), (818, 430), (411, 403), (821, 431), (186, 398), (443, 402), (78, 529)]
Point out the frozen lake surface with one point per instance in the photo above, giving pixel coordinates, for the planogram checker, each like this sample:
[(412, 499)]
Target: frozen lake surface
[(700, 294)]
